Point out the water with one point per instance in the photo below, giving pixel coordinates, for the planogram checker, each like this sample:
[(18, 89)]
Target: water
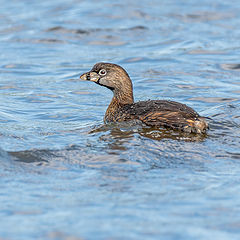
[(65, 175)]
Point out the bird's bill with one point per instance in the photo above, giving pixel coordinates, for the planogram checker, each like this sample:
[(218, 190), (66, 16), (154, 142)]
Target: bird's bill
[(90, 76)]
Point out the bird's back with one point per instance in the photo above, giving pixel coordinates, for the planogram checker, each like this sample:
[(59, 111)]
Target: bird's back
[(157, 113)]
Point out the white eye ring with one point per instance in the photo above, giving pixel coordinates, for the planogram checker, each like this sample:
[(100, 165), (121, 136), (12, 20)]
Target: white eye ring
[(102, 72)]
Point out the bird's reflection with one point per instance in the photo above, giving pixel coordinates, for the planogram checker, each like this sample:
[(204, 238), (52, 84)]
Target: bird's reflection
[(119, 134)]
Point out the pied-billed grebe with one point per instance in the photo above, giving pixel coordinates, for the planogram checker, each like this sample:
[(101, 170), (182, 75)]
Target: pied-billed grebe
[(155, 113)]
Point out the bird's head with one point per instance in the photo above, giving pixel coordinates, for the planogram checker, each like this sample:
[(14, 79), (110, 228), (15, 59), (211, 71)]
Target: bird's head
[(111, 76)]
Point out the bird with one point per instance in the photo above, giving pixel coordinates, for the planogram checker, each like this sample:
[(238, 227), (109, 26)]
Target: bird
[(153, 113)]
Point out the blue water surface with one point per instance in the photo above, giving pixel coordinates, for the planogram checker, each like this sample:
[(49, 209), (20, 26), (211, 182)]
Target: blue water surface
[(66, 175)]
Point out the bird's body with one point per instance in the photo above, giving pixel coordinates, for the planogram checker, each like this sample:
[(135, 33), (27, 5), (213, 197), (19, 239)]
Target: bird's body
[(154, 113), (159, 113)]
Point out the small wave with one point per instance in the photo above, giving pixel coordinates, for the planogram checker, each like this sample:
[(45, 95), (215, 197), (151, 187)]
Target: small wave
[(231, 66)]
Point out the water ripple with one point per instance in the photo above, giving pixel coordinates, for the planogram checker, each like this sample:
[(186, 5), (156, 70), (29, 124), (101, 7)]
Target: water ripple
[(65, 174)]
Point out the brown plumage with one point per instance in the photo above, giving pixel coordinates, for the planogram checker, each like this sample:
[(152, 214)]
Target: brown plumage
[(155, 113)]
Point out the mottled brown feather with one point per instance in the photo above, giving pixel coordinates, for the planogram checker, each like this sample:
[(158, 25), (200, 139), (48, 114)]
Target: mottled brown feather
[(161, 113)]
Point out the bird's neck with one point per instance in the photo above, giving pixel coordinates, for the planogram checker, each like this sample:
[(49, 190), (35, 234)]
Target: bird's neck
[(119, 100)]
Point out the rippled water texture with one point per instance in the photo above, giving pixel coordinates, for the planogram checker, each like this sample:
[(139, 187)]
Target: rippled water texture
[(66, 175)]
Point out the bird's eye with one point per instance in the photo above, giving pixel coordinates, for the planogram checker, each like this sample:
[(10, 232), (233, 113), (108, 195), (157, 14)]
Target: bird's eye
[(102, 72)]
